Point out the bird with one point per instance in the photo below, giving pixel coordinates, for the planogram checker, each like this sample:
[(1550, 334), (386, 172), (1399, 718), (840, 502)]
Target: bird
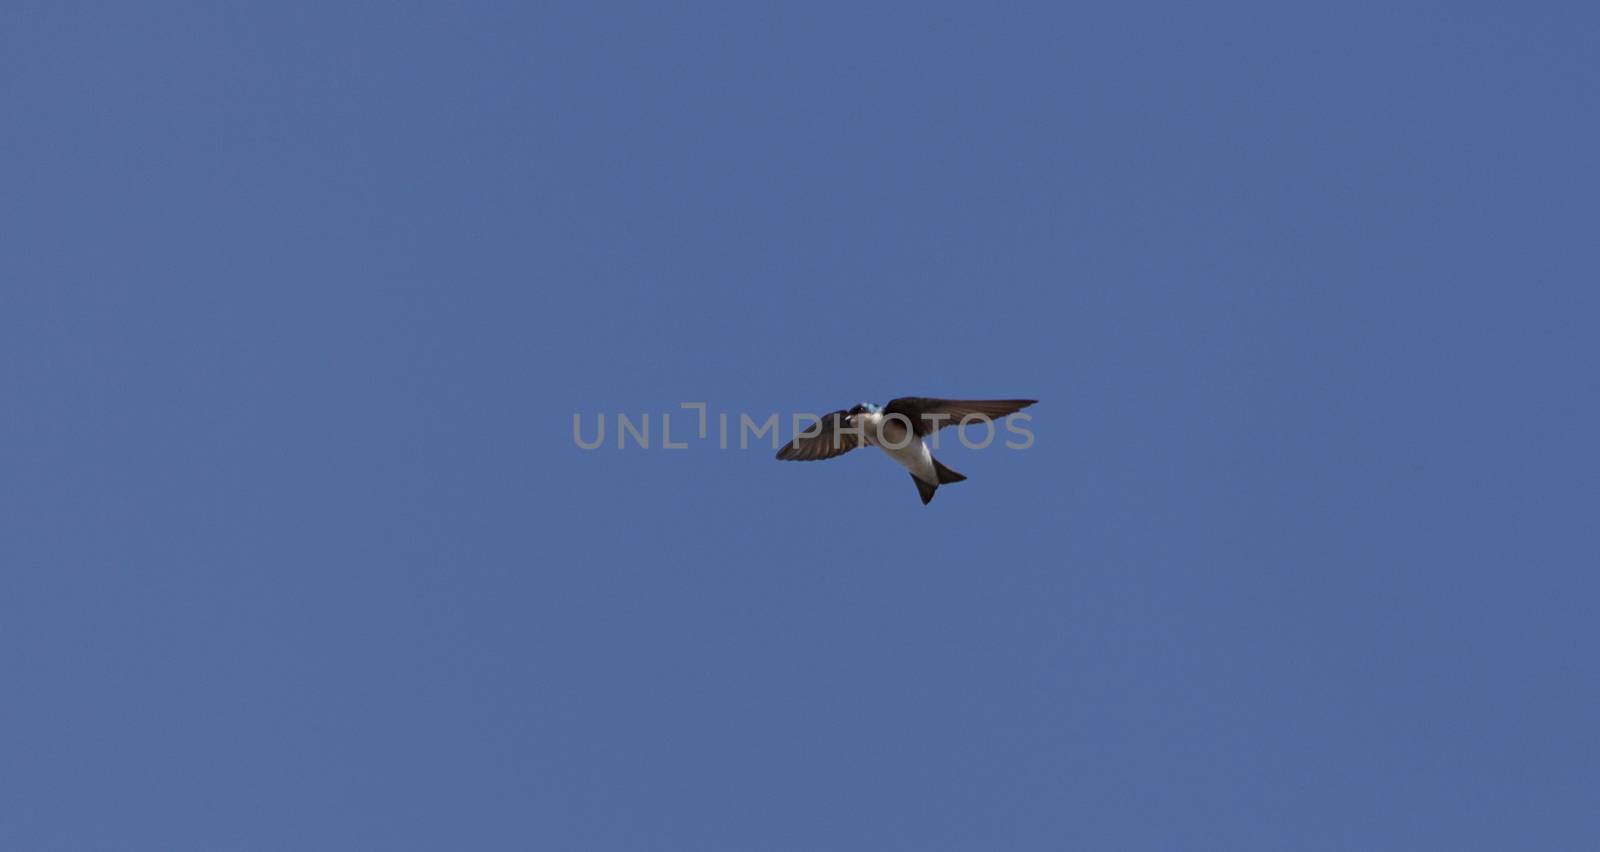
[(886, 427)]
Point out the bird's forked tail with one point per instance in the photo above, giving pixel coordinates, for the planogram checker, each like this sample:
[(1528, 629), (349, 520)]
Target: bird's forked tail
[(946, 475)]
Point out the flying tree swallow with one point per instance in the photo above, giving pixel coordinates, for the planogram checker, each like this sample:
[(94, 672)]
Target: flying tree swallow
[(898, 429)]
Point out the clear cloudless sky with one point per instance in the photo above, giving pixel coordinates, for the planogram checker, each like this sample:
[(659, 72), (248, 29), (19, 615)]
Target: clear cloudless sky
[(297, 302)]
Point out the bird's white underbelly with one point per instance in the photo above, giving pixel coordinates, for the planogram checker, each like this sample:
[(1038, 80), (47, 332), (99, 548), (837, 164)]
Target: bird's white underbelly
[(907, 450), (915, 458)]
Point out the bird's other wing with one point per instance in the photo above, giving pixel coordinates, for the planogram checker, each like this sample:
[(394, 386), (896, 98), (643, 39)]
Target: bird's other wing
[(822, 440), (928, 414)]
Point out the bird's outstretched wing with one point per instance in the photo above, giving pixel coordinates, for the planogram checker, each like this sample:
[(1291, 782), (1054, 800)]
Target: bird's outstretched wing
[(822, 440), (928, 414)]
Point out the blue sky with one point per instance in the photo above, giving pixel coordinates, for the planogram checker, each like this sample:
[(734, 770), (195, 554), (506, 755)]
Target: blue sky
[(298, 302)]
